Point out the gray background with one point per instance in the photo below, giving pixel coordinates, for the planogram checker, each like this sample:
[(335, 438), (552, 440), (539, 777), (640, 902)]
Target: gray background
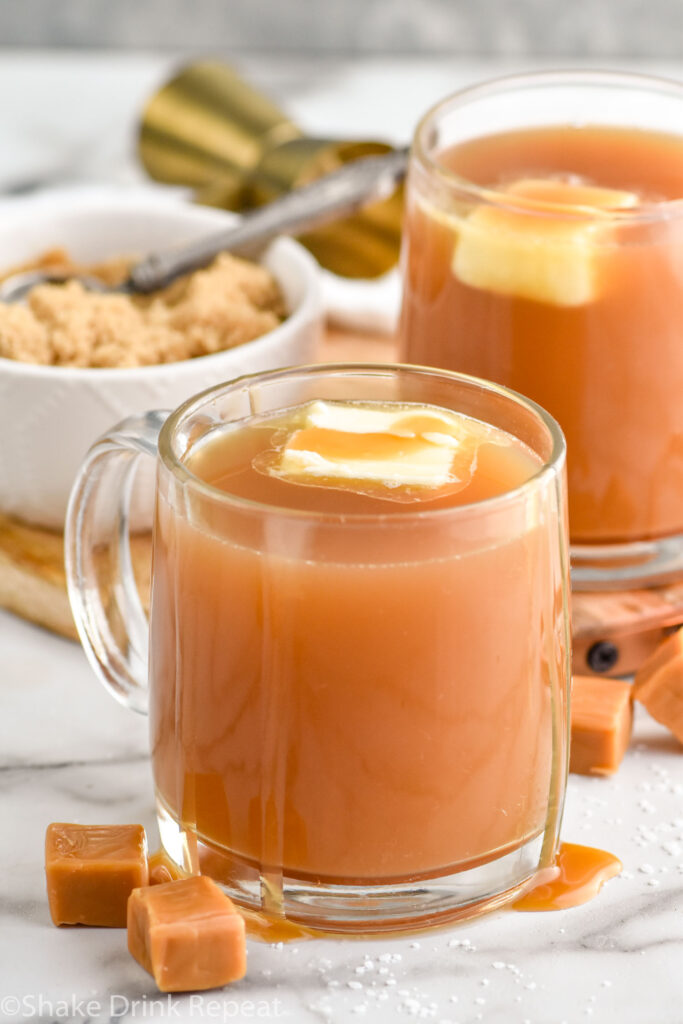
[(610, 28)]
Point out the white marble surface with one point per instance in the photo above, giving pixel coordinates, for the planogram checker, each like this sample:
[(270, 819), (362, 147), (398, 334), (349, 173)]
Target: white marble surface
[(68, 752)]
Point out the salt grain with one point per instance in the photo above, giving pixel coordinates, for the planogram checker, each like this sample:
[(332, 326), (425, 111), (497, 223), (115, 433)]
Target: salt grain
[(324, 1008)]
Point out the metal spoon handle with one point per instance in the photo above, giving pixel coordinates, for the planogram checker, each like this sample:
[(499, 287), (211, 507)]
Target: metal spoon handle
[(332, 196)]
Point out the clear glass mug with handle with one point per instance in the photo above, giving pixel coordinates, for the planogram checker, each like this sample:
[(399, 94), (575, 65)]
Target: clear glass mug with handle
[(357, 722)]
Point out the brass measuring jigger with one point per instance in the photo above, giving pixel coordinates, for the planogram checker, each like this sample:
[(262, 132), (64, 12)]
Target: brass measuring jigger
[(209, 129)]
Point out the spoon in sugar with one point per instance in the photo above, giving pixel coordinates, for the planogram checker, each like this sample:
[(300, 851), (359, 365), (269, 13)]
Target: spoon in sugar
[(342, 192)]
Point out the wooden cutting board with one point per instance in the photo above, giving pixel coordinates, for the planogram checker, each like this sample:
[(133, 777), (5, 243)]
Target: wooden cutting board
[(613, 633)]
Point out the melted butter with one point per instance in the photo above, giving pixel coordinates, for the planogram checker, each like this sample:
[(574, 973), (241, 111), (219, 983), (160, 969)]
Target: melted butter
[(351, 446), (579, 875), (545, 246), (388, 446), (557, 195)]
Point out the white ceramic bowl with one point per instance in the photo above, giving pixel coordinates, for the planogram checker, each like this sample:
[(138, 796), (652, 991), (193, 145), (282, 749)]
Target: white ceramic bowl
[(49, 416)]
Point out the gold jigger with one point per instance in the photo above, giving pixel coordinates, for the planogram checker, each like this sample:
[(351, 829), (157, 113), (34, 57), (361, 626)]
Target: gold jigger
[(209, 129)]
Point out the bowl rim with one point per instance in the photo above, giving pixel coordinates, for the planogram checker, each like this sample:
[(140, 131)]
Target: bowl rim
[(90, 202)]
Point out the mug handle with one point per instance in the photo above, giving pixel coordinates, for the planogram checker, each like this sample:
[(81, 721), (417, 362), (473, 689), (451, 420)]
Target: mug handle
[(111, 622)]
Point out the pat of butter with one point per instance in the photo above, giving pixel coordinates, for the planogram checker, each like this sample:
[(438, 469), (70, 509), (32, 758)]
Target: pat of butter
[(409, 446), (546, 250)]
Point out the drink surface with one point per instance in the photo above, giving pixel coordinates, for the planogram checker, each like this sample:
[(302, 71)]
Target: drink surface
[(373, 452), (647, 163), (357, 699), (569, 289)]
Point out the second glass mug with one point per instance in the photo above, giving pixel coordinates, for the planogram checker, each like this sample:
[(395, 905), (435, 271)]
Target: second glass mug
[(580, 309), (357, 722)]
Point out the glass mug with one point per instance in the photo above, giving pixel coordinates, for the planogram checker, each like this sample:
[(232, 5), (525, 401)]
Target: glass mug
[(518, 270), (357, 722)]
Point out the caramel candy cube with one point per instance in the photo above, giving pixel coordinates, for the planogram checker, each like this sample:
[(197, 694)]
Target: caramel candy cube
[(92, 870), (187, 934), (659, 684), (601, 721), (667, 651)]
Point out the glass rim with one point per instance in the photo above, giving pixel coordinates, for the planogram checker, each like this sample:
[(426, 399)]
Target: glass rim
[(644, 213), (550, 467)]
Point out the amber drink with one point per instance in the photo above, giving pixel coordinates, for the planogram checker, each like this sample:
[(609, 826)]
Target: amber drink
[(543, 251), (358, 643)]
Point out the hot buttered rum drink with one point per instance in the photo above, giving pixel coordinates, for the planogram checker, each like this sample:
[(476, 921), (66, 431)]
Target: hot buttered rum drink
[(340, 702)]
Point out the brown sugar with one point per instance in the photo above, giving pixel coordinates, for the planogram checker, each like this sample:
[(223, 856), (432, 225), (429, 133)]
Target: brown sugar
[(227, 304), (601, 722), (92, 870), (187, 934), (659, 684)]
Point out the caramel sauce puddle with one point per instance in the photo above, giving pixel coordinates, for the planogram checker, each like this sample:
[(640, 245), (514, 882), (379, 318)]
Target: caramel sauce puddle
[(579, 874), (162, 869), (263, 928)]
